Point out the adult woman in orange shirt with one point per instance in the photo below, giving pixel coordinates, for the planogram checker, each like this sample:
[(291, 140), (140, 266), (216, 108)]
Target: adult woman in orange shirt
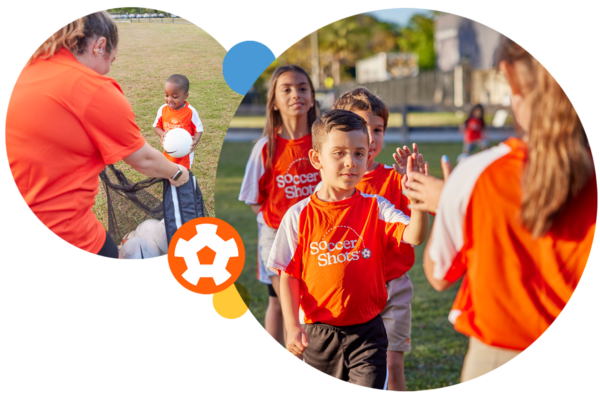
[(516, 221), (66, 121)]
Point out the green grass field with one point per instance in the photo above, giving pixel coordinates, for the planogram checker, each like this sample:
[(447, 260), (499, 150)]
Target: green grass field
[(437, 349), (148, 55), (415, 119)]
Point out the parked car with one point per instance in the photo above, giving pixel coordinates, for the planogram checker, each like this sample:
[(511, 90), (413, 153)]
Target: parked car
[(174, 16), (139, 16), (161, 15), (146, 15), (131, 15), (154, 16)]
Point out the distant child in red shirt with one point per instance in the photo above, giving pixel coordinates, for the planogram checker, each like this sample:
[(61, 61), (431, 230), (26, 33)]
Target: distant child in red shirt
[(330, 250), (474, 131), (177, 113)]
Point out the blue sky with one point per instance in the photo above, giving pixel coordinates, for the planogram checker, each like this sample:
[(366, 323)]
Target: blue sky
[(397, 15)]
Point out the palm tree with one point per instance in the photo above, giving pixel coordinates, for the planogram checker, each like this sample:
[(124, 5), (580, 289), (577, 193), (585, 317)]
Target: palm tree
[(340, 41)]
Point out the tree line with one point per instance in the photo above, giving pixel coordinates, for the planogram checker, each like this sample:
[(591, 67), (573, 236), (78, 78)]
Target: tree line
[(346, 41)]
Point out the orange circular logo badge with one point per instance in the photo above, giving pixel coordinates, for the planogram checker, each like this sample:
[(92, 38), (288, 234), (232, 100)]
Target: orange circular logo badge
[(206, 255)]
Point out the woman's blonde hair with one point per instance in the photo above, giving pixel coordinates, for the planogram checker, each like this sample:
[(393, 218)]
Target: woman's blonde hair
[(76, 35), (273, 116), (559, 162)]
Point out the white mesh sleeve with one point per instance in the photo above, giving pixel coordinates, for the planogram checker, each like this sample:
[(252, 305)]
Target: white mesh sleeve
[(196, 119), (158, 115), (255, 169), (447, 235), (286, 240)]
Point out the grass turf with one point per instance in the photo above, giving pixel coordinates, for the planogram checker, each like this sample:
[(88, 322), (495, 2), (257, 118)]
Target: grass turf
[(415, 119), (437, 349), (148, 55)]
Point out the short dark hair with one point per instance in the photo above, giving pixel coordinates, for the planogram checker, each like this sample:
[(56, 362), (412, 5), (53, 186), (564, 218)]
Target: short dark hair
[(181, 81), (342, 120), (363, 100)]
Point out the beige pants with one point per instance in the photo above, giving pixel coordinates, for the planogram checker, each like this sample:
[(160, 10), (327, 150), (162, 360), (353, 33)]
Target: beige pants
[(482, 358), (397, 313)]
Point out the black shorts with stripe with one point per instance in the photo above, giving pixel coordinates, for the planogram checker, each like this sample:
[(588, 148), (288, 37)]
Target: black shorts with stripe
[(354, 353)]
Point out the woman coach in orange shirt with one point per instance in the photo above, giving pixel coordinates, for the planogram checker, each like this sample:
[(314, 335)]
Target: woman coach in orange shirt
[(65, 122), (517, 221)]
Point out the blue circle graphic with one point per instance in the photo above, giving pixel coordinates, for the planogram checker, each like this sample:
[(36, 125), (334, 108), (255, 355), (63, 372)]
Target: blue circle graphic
[(244, 63)]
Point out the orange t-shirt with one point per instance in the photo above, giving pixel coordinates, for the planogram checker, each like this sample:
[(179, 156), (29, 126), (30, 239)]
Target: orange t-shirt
[(336, 249), (514, 286), (290, 179), (88, 123), (186, 118), (386, 182)]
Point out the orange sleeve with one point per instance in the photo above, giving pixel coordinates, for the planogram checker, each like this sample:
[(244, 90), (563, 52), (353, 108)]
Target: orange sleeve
[(110, 124), (394, 233)]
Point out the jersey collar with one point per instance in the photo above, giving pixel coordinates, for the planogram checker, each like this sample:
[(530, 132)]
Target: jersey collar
[(515, 143), (303, 139), (336, 204), (372, 174)]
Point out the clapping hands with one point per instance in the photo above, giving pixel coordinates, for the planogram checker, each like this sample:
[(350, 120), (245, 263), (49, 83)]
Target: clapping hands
[(403, 155), (424, 191)]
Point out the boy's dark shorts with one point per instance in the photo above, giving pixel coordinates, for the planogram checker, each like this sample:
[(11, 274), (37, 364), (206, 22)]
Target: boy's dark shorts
[(354, 353), (272, 292)]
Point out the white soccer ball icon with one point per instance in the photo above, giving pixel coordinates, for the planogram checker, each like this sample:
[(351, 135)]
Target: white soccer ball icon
[(206, 236), (177, 142), (366, 253)]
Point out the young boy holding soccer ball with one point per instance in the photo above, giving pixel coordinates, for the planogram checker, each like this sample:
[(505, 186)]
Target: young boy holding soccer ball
[(178, 113)]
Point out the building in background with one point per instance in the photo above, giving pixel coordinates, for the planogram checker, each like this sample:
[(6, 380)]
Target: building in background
[(467, 42), (474, 36), (385, 66)]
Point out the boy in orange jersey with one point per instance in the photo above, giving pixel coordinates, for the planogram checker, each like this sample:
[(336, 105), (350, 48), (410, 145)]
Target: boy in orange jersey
[(330, 252), (177, 113), (385, 181)]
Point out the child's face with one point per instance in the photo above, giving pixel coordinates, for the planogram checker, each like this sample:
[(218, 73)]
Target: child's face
[(376, 131), (342, 159), (175, 96), (477, 112), (293, 96)]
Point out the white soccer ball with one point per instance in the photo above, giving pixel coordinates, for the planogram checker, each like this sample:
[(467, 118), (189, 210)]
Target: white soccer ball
[(177, 142), (132, 247), (127, 237), (146, 229), (160, 237)]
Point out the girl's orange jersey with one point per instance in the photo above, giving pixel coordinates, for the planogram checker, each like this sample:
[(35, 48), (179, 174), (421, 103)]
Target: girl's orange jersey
[(336, 249), (185, 118), (514, 286), (290, 179), (386, 182), (65, 123)]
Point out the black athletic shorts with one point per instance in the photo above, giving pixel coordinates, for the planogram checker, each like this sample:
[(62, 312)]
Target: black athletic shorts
[(354, 353), (271, 291), (107, 318)]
